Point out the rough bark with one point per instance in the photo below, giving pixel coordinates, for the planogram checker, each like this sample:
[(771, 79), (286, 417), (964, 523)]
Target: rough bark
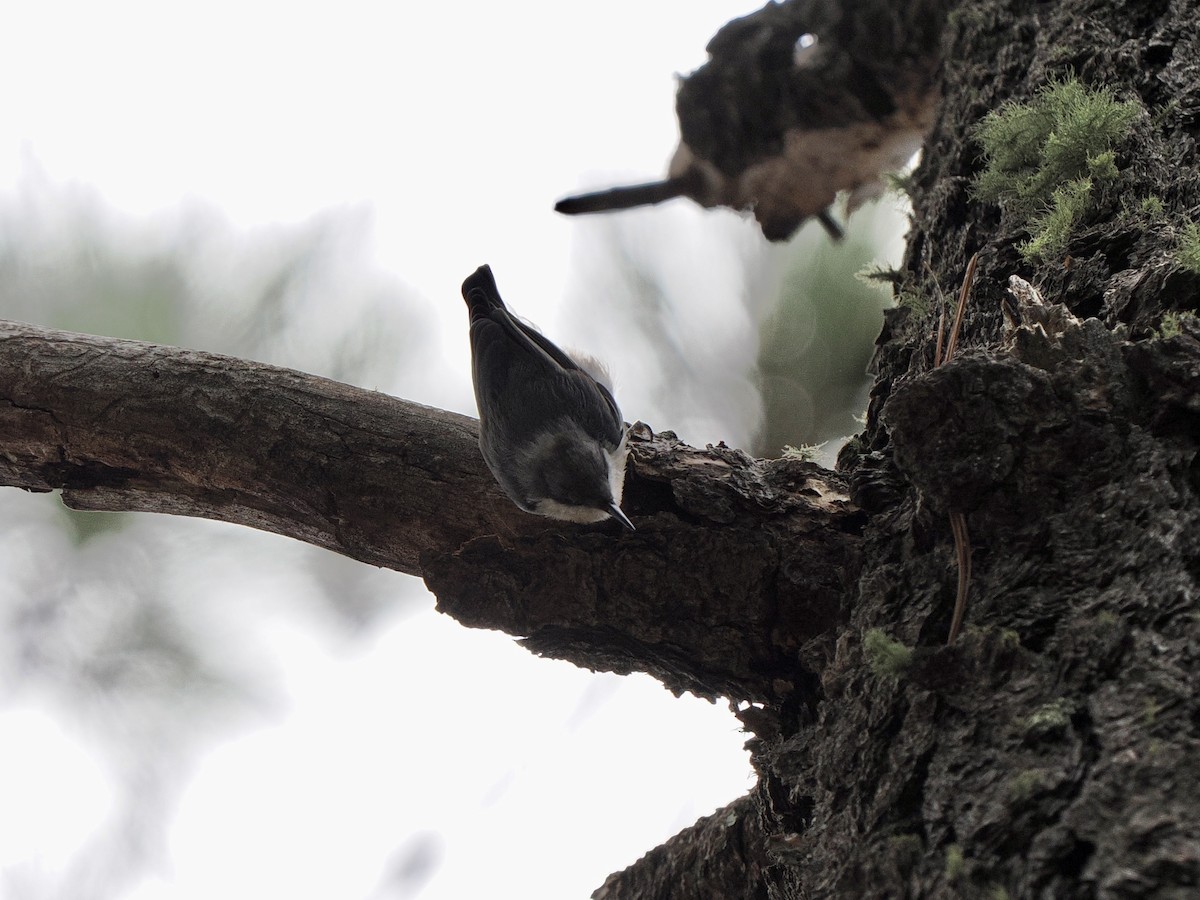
[(722, 855), (732, 588), (766, 547), (1054, 750), (125, 425)]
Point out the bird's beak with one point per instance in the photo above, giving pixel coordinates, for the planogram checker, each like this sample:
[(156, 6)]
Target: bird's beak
[(615, 512)]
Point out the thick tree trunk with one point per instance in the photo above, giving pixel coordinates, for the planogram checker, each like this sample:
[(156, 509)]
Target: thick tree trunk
[(1054, 750)]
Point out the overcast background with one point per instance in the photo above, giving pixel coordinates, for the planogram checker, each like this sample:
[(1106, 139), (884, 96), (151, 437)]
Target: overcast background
[(194, 710)]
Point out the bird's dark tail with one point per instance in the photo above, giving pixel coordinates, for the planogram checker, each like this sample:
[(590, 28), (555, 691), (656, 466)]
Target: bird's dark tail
[(831, 226), (481, 293), (624, 197), (653, 192)]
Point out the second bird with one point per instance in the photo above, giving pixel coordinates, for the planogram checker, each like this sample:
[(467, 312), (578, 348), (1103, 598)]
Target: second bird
[(550, 430)]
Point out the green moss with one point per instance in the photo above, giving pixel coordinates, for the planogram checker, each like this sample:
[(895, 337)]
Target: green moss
[(1048, 719), (1066, 132), (955, 863), (1164, 113), (915, 301), (1051, 228), (1173, 322), (998, 892), (1045, 160), (1187, 249), (877, 273), (1150, 711), (887, 658), (1010, 639), (1024, 785), (905, 843), (902, 184), (805, 452), (1152, 207)]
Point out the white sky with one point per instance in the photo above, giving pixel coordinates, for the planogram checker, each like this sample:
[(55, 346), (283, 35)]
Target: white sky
[(456, 127)]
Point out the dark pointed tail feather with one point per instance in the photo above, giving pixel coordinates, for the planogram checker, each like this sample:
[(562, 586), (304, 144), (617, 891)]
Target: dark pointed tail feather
[(625, 197), (653, 192), (831, 226), (481, 293)]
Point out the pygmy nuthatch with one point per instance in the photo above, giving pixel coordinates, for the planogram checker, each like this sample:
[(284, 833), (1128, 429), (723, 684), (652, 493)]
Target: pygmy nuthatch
[(550, 430)]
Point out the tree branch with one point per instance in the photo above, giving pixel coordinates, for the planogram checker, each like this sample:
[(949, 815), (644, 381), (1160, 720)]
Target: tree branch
[(733, 581), (722, 855), (731, 586), (125, 425)]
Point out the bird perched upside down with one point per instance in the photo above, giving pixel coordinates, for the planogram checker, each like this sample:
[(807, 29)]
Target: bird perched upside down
[(550, 430)]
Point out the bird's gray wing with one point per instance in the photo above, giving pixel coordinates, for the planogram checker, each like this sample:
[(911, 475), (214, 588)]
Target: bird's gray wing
[(533, 382)]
